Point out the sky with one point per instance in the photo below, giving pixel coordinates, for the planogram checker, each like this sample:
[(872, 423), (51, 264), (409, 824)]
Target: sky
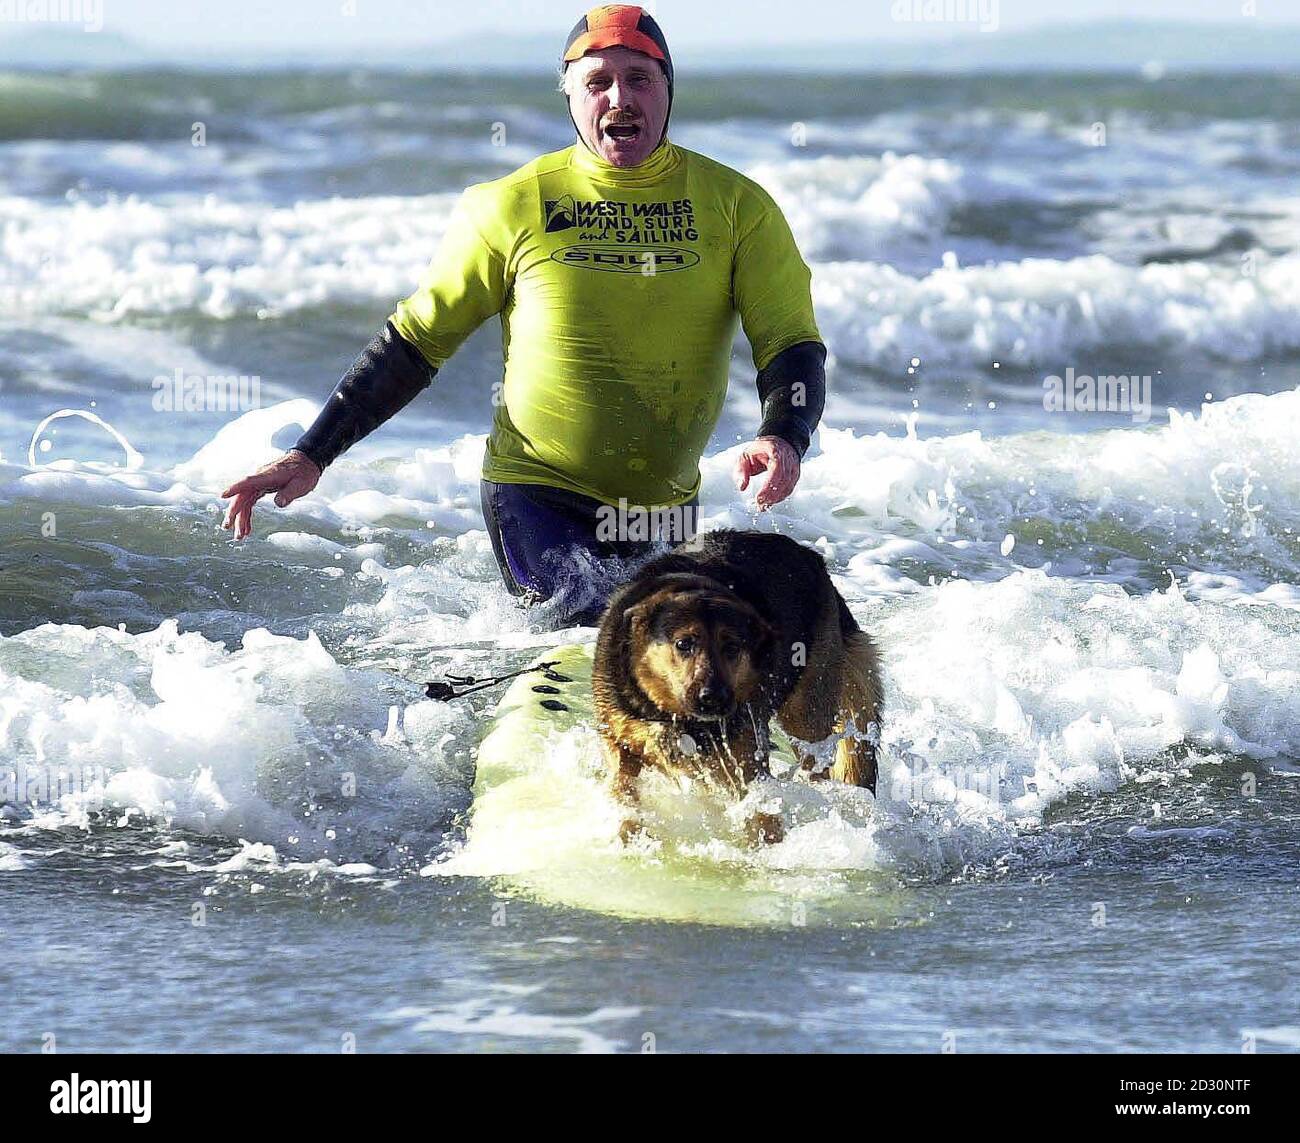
[(694, 23)]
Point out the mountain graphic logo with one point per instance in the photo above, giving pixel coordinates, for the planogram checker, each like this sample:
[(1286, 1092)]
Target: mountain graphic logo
[(561, 214)]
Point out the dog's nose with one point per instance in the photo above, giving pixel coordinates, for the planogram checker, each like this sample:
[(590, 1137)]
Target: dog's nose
[(714, 698)]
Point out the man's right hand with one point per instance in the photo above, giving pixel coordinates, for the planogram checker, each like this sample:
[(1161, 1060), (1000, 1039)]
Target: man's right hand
[(290, 477)]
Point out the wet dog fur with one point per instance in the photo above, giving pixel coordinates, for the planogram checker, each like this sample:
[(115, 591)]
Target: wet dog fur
[(705, 645)]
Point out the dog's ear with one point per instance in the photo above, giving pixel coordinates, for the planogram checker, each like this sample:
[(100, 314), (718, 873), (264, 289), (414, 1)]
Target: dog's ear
[(641, 616), (637, 617)]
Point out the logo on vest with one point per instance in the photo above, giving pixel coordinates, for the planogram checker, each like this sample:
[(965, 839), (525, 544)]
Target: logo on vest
[(645, 260), (669, 222), (561, 214)]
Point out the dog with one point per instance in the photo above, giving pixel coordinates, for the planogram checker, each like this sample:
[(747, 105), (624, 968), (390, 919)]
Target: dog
[(704, 645)]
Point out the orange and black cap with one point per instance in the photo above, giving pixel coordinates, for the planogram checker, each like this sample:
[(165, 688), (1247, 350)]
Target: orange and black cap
[(619, 26)]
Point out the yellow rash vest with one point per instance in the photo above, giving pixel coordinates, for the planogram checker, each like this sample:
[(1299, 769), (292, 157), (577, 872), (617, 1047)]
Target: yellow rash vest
[(618, 290)]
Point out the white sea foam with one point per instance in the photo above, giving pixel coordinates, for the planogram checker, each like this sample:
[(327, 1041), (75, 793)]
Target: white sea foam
[(11, 860), (130, 256), (273, 741), (1045, 314), (481, 1017), (848, 207)]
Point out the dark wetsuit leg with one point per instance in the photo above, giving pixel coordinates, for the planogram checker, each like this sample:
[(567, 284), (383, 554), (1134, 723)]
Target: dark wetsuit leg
[(550, 544)]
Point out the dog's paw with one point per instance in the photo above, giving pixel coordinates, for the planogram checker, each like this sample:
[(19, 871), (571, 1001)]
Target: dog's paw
[(631, 830), (764, 829)]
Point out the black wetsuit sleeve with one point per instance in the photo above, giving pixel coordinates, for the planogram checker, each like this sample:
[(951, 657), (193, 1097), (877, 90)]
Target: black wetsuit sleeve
[(793, 391), (383, 379)]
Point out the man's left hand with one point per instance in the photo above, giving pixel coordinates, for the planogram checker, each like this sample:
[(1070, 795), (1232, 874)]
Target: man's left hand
[(778, 459)]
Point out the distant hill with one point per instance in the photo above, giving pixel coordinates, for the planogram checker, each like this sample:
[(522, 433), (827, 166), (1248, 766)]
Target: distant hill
[(1115, 45), (1119, 45), (51, 47), (1093, 46)]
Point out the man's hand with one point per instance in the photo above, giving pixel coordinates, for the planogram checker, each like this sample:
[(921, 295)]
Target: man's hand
[(291, 476), (778, 459)]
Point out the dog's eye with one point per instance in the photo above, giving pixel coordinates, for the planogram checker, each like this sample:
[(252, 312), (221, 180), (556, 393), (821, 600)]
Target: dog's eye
[(730, 650), (685, 646)]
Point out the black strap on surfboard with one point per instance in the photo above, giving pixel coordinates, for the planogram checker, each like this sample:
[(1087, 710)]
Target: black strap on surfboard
[(446, 691)]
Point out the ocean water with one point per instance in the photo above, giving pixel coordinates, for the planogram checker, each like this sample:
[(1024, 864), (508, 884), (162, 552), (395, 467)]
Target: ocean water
[(1088, 829)]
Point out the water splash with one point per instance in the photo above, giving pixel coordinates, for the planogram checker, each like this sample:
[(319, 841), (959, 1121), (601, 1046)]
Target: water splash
[(134, 460)]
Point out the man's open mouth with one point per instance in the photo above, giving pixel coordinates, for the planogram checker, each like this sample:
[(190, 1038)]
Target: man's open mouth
[(623, 131)]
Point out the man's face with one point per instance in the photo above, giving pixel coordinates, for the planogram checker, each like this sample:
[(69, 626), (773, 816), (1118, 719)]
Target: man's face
[(619, 100)]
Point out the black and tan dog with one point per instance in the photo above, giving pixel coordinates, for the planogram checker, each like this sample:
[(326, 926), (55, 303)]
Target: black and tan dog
[(699, 651)]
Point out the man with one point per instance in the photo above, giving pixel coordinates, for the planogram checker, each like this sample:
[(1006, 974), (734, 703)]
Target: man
[(618, 267)]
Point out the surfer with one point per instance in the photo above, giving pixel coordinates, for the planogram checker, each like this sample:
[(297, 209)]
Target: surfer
[(619, 267)]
